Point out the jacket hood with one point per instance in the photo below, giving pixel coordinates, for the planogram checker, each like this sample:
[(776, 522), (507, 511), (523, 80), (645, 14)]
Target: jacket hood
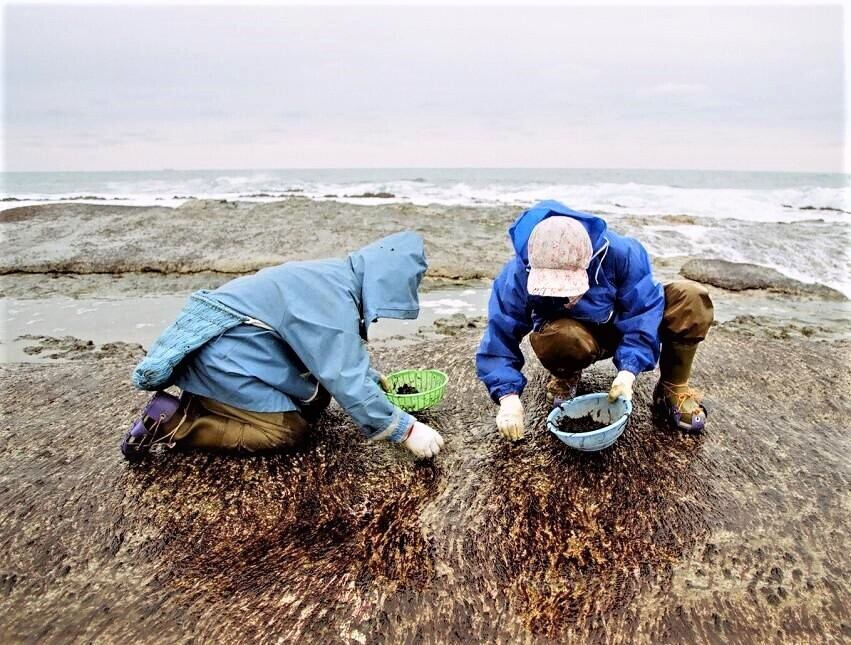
[(521, 230), (390, 271)]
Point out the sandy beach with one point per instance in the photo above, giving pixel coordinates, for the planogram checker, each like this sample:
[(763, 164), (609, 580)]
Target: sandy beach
[(738, 535)]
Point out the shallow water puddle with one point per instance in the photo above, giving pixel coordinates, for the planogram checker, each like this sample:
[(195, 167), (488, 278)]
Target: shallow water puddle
[(140, 320)]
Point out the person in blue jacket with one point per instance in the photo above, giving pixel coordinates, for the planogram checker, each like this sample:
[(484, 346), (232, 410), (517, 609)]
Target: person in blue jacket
[(258, 358), (586, 293)]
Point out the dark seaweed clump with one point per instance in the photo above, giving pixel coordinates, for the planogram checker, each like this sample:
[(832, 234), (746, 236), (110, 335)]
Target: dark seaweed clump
[(407, 389), (582, 424)]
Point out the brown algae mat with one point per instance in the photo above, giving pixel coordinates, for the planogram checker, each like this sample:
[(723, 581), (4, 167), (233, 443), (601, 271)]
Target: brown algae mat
[(739, 535), (579, 425)]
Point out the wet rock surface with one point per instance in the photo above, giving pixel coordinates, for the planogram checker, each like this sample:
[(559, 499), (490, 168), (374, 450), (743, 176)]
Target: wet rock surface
[(739, 276), (71, 348), (739, 535), (459, 323), (379, 195), (770, 327), (114, 239), (117, 285), (106, 250), (106, 285)]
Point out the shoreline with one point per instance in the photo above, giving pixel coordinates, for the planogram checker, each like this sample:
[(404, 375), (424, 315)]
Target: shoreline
[(464, 243)]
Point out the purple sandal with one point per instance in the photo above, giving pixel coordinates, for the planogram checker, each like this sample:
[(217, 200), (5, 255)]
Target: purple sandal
[(143, 433), (671, 413)]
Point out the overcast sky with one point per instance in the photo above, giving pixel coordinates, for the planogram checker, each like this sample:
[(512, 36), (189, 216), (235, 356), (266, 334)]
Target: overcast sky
[(127, 88)]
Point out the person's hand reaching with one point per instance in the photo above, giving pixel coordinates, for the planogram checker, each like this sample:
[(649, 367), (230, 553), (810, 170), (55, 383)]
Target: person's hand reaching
[(424, 442), (509, 419)]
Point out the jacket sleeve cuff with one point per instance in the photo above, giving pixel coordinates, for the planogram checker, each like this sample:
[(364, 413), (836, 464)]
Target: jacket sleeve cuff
[(396, 429), (504, 390), (628, 366), (312, 396), (405, 422)]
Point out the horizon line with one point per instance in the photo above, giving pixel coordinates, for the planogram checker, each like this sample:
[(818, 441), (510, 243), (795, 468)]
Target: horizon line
[(360, 168)]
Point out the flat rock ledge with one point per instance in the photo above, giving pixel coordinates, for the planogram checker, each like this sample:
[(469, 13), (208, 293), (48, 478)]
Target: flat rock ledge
[(741, 276)]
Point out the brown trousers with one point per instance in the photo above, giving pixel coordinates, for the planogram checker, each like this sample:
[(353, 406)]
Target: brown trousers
[(565, 346), (212, 425)]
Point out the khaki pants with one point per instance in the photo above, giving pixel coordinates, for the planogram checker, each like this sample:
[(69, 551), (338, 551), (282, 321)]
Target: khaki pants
[(565, 346), (212, 425)]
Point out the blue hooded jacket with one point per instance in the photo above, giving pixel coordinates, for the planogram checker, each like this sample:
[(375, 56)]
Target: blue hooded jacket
[(317, 312), (622, 290)]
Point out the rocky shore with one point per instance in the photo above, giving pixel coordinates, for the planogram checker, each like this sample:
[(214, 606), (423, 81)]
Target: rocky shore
[(738, 535), (741, 276), (115, 250), (240, 237)]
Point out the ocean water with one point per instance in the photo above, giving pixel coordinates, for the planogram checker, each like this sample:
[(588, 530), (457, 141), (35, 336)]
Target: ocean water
[(798, 223)]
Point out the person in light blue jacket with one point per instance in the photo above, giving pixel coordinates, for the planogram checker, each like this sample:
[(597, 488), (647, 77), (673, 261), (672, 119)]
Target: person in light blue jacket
[(583, 293), (258, 358)]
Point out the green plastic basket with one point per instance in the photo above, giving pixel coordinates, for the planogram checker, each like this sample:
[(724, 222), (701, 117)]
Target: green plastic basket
[(430, 383)]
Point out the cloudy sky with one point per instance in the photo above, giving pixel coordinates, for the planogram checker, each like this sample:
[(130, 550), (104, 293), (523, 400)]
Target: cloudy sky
[(128, 88)]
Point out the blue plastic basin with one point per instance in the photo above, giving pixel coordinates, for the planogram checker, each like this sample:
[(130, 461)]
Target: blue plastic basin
[(596, 406)]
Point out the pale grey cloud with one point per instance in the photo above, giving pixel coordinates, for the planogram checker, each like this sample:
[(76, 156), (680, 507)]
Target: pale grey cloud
[(675, 89), (150, 87)]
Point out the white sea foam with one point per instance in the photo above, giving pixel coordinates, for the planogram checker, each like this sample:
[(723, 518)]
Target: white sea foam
[(447, 306), (734, 216), (735, 196)]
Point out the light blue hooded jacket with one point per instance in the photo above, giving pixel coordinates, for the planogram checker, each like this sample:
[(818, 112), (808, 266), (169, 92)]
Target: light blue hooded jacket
[(622, 291), (319, 311)]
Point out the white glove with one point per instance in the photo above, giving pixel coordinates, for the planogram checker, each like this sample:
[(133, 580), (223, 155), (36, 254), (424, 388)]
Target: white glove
[(423, 441), (622, 386), (509, 419)]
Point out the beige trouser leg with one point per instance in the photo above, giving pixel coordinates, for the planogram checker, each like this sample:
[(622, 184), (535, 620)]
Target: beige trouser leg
[(688, 313), (688, 316), (222, 427), (565, 346)]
